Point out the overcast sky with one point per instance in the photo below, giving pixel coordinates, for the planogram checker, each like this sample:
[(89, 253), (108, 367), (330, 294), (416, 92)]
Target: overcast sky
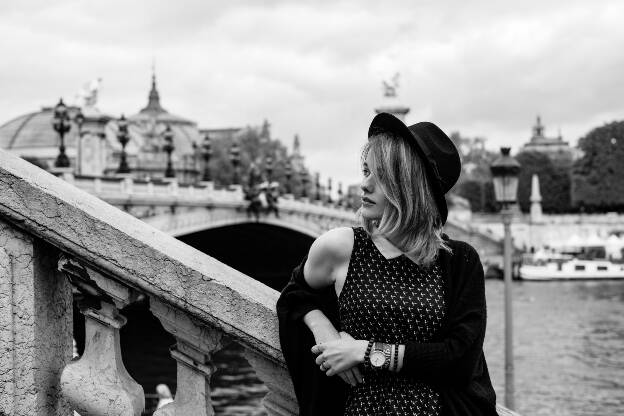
[(484, 68)]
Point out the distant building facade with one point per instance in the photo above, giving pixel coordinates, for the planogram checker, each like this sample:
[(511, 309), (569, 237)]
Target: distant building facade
[(93, 147), (555, 147)]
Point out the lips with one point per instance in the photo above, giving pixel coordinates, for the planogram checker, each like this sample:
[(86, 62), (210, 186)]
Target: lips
[(367, 201)]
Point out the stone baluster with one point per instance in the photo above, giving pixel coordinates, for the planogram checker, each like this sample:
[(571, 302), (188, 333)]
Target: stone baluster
[(35, 326), (280, 400), (98, 383), (195, 344)]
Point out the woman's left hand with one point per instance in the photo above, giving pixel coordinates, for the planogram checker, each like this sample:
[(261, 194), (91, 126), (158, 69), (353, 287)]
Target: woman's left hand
[(340, 355)]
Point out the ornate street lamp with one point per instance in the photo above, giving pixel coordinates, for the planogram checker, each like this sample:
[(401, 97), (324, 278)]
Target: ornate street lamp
[(340, 194), (207, 154), (329, 189), (288, 174), (61, 124), (235, 160), (268, 166), (168, 147), (79, 118), (124, 138), (505, 172), (317, 182), (305, 179)]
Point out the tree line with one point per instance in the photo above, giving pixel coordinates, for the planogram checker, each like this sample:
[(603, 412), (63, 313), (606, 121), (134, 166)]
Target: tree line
[(592, 183)]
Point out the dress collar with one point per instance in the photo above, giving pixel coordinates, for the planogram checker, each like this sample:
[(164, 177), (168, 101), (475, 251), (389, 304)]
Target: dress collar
[(389, 250)]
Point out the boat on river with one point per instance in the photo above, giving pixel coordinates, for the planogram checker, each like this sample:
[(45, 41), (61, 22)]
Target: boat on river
[(572, 269)]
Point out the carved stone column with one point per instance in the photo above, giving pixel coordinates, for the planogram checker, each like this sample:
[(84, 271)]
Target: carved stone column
[(35, 326), (280, 400), (193, 351), (98, 383)]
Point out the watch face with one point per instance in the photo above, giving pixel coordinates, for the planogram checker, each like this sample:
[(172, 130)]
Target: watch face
[(377, 358)]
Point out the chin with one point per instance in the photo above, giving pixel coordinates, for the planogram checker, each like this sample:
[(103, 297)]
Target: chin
[(369, 214)]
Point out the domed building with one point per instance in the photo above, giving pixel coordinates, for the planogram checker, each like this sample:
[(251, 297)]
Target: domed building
[(98, 152), (145, 149)]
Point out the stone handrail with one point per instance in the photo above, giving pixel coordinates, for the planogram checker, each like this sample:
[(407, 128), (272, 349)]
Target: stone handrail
[(111, 259), (55, 240)]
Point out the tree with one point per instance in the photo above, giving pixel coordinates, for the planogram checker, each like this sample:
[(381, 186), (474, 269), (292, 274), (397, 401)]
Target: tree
[(598, 177), (554, 182), (254, 150), (480, 194), (475, 181)]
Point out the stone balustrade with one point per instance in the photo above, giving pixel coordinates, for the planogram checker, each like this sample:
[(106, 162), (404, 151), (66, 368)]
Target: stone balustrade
[(60, 244), (131, 191)]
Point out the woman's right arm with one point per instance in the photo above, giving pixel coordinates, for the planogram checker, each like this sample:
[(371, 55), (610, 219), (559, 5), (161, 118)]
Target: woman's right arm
[(327, 261)]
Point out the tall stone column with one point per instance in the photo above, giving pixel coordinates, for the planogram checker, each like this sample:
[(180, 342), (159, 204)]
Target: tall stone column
[(536, 200), (35, 326), (193, 351)]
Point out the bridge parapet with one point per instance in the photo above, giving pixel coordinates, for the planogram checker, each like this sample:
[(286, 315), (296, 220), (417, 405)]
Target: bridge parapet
[(59, 244), (55, 239)]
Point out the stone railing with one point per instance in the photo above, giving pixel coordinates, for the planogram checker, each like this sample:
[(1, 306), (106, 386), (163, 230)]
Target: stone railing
[(56, 239), (59, 244), (131, 191)]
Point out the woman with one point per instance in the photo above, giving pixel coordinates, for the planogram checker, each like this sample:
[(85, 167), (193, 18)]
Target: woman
[(409, 301)]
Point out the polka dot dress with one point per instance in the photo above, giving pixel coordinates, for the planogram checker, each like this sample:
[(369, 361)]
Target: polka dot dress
[(390, 300)]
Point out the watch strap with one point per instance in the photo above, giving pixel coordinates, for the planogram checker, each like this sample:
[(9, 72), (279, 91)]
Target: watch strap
[(396, 357), (387, 350), (367, 353)]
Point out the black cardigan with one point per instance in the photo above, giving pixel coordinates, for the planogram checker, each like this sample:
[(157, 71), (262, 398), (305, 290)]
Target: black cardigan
[(453, 362)]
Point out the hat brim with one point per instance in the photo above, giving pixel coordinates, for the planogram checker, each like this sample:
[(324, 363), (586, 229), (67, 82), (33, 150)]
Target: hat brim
[(385, 122)]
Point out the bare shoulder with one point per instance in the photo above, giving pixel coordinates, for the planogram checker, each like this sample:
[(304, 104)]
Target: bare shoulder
[(336, 243), (328, 253)]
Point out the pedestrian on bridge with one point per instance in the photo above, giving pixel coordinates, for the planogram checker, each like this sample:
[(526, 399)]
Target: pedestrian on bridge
[(389, 318)]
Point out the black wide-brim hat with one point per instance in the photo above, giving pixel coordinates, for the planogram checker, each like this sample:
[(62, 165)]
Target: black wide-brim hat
[(438, 153)]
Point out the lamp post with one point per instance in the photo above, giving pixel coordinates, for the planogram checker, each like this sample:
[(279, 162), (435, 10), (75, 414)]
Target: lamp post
[(329, 190), (79, 118), (340, 194), (207, 154), (505, 172), (123, 137), (61, 124), (235, 160), (305, 179), (318, 186), (168, 147), (288, 174)]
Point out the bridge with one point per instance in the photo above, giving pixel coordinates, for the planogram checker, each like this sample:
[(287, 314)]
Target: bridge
[(55, 249), (180, 209)]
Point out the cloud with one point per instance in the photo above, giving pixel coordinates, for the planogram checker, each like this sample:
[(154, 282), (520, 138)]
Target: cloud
[(484, 68)]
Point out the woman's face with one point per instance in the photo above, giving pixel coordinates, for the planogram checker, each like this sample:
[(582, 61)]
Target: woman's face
[(373, 199)]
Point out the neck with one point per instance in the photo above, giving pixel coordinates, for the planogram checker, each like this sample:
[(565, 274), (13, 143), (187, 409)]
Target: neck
[(391, 239)]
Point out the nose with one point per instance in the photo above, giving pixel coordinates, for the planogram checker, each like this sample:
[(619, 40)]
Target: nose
[(367, 185)]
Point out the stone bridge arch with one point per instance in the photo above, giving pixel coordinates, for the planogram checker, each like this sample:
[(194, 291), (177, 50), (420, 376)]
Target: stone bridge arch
[(188, 220)]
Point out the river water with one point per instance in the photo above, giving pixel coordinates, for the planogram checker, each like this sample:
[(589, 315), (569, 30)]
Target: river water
[(568, 348)]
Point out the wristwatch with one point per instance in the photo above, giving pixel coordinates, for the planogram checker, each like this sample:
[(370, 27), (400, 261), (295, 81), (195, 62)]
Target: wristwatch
[(380, 356)]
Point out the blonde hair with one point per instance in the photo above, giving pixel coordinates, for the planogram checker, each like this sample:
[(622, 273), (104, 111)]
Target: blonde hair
[(411, 218)]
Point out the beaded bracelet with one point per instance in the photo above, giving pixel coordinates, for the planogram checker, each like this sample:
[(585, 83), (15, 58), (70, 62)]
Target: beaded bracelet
[(396, 357), (367, 353)]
